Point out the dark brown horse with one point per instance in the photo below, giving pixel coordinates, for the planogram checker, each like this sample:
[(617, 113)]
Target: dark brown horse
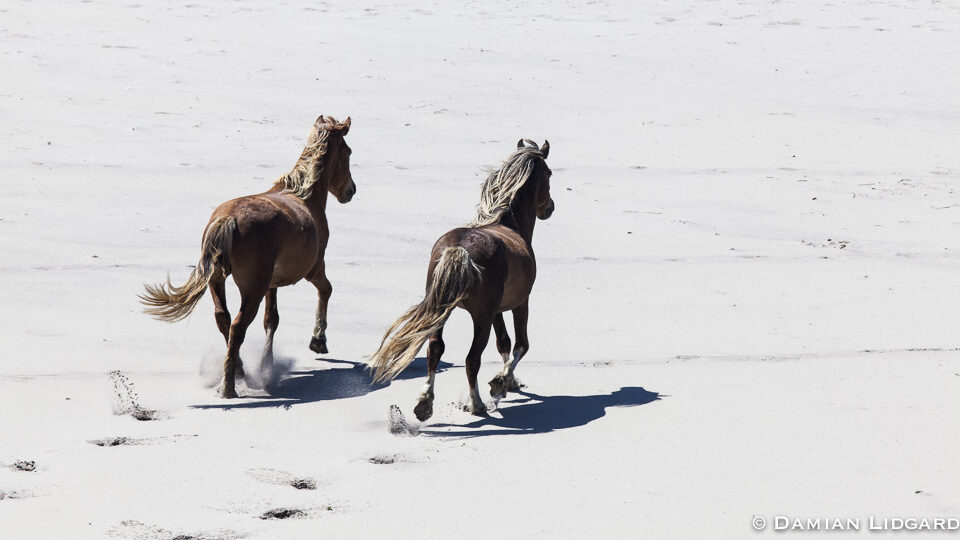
[(485, 268), (267, 241)]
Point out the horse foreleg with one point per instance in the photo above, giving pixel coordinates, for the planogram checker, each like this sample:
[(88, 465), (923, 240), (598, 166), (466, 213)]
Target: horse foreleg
[(424, 408), (481, 335), (506, 381), (522, 346), (249, 304), (318, 343)]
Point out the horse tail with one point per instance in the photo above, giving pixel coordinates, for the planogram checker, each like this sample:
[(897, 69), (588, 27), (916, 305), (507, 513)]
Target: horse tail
[(453, 277), (170, 303)]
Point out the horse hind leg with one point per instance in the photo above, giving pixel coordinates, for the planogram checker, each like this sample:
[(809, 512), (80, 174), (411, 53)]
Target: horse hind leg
[(424, 408), (249, 304), (498, 385), (481, 335), (220, 312)]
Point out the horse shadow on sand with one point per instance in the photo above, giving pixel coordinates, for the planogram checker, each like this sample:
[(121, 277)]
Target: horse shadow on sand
[(309, 386), (532, 413)]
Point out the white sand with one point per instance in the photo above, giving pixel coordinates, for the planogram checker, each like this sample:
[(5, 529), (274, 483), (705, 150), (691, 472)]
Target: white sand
[(756, 219)]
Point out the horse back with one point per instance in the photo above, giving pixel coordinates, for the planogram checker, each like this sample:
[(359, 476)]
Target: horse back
[(276, 239)]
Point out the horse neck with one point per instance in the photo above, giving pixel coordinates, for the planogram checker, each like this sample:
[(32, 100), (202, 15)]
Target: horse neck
[(522, 216), (317, 201)]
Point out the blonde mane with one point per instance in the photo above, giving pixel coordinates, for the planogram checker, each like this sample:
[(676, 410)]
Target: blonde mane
[(307, 171), (503, 184)]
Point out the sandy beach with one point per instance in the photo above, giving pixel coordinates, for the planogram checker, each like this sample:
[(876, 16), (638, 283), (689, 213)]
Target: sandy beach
[(745, 306)]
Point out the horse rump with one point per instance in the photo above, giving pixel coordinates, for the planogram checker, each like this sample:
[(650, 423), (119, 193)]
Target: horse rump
[(453, 277)]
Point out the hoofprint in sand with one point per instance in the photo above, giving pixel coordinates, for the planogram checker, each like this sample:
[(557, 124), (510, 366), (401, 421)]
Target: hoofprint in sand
[(745, 302)]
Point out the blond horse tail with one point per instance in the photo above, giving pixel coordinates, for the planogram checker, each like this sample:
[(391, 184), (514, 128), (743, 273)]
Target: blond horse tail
[(452, 279), (170, 303)]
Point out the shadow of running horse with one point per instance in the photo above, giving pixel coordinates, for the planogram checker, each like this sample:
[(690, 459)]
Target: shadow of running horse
[(309, 386), (542, 414)]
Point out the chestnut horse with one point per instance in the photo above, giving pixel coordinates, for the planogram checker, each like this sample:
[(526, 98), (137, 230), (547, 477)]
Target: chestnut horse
[(267, 241), (485, 268)]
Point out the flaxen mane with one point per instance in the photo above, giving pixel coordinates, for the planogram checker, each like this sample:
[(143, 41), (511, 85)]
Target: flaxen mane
[(502, 185), (306, 172)]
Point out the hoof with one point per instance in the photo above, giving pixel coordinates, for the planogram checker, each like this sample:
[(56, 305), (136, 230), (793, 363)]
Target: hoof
[(423, 410), (501, 384), (476, 409), (498, 387), (319, 345), (229, 393), (270, 380)]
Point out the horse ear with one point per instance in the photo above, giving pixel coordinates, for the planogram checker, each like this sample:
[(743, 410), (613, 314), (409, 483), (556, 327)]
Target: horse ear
[(520, 144), (345, 127), (545, 149), (319, 121)]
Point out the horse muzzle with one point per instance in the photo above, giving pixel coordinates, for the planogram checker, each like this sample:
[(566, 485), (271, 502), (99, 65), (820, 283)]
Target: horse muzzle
[(348, 194), (546, 212)]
